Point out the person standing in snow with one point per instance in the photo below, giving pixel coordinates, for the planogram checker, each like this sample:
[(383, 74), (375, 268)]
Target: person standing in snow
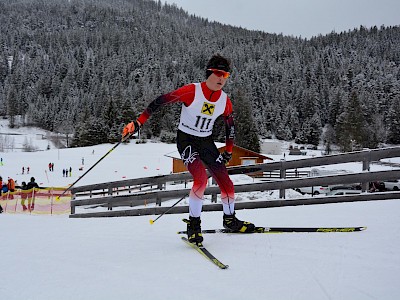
[(1, 192), (32, 185), (10, 188), (24, 195), (202, 104), (11, 184)]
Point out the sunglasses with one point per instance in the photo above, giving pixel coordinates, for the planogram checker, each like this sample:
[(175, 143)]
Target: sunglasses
[(220, 73)]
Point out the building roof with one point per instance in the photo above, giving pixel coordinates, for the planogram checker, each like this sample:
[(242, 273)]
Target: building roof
[(176, 155), (252, 153)]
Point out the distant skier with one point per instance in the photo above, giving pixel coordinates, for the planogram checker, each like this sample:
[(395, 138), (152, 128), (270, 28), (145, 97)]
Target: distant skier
[(202, 103)]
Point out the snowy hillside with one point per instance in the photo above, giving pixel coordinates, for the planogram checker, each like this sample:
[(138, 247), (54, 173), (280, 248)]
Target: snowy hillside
[(54, 257), (128, 161)]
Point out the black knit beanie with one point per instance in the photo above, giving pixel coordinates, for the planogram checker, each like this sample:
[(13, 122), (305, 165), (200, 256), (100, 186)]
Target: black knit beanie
[(218, 62)]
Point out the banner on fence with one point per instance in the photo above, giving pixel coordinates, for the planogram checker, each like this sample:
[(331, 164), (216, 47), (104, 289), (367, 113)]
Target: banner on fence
[(40, 201)]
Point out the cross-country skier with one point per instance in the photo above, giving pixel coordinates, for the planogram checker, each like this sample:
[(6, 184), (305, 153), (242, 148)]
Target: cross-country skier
[(202, 104)]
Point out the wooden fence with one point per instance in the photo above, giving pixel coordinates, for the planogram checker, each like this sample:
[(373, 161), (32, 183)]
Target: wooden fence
[(152, 189)]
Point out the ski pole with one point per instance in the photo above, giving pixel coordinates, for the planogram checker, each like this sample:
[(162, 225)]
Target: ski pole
[(115, 146), (152, 221)]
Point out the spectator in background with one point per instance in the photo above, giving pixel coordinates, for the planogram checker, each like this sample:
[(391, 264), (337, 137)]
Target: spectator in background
[(32, 184), (1, 185), (31, 200), (24, 195), (10, 188), (11, 184)]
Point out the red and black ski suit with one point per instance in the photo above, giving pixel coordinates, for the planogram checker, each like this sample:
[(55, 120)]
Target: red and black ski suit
[(201, 106)]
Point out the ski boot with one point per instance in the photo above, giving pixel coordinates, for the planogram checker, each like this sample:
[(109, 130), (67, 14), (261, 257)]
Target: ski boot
[(194, 230), (235, 225)]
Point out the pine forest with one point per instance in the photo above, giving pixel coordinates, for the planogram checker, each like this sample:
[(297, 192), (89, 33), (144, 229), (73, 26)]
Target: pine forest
[(87, 67)]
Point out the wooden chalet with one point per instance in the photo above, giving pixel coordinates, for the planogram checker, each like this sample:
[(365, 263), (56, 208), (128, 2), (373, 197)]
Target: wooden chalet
[(240, 157)]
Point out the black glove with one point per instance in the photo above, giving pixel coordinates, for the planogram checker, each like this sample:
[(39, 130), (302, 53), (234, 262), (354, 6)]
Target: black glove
[(226, 157)]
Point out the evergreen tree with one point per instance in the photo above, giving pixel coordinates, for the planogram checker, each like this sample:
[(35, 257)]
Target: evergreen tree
[(328, 138), (394, 122), (12, 105), (85, 52), (3, 67), (302, 134), (91, 132), (315, 129), (246, 132), (350, 126)]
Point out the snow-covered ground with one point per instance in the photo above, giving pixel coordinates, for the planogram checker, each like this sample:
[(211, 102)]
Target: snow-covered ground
[(54, 257)]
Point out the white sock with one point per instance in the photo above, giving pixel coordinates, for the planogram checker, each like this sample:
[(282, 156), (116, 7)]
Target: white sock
[(195, 206), (229, 209)]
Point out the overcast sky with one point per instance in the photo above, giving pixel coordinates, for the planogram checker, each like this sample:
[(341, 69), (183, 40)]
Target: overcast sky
[(305, 18)]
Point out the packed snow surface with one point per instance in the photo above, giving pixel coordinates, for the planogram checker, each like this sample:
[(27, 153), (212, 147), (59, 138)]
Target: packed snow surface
[(55, 257)]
